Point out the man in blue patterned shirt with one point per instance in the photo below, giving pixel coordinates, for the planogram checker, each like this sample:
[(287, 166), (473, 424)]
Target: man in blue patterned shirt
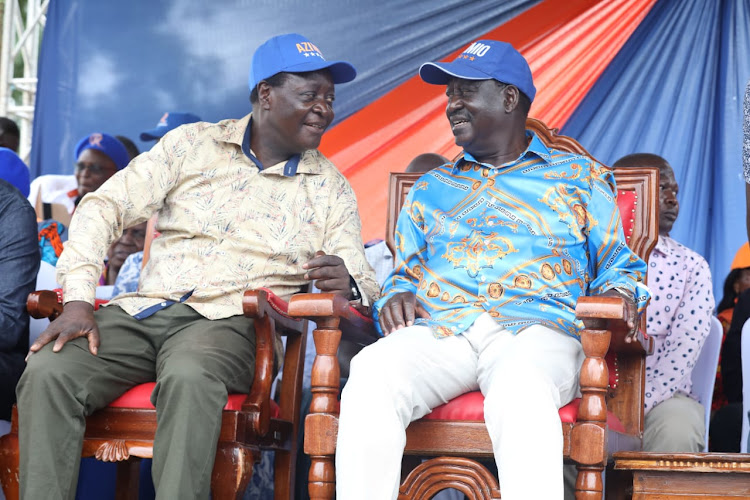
[(492, 253)]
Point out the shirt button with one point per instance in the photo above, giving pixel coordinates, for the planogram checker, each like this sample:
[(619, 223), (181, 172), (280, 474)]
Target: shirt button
[(453, 328), (163, 304), (481, 278)]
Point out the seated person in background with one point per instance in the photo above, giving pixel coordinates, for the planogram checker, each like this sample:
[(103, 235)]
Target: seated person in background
[(726, 422), (19, 264), (679, 319), (98, 157), (130, 242), (9, 134), (130, 146), (736, 282), (242, 204), (426, 162), (168, 121), (130, 273), (466, 330), (14, 170)]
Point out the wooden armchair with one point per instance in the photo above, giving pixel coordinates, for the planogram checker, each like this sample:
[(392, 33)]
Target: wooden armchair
[(608, 418), (124, 431)]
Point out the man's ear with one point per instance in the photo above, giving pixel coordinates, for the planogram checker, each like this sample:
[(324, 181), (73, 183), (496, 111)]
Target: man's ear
[(512, 97), (264, 94)]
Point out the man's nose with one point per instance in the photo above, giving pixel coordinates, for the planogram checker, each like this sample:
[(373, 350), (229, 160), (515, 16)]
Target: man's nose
[(127, 237), (454, 103), (323, 108)]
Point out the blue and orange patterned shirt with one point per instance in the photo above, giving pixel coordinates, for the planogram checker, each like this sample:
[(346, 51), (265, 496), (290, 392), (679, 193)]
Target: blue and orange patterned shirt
[(521, 242)]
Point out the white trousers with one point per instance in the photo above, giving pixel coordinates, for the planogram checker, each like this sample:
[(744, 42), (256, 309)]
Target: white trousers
[(525, 379)]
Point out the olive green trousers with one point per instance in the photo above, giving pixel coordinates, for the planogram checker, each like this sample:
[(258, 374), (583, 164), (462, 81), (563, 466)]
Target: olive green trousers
[(195, 362)]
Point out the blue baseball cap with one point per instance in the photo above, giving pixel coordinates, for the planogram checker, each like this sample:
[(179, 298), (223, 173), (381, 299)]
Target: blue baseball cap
[(293, 53), (107, 145), (170, 120), (484, 60), (14, 170)]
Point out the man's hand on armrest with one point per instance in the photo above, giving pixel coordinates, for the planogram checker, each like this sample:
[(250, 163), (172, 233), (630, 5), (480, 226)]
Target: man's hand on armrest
[(76, 320), (631, 311)]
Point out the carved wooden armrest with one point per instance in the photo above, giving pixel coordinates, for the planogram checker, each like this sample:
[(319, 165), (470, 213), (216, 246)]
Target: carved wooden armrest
[(318, 307), (335, 318), (604, 330), (608, 313), (269, 318), (44, 304)]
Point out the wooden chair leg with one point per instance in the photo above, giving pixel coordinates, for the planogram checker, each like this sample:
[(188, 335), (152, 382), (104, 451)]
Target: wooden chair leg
[(128, 478), (589, 484), (283, 475), (322, 479), (321, 423), (9, 459), (233, 469)]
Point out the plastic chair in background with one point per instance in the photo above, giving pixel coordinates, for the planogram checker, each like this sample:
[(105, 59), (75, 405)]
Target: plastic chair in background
[(704, 371), (45, 280)]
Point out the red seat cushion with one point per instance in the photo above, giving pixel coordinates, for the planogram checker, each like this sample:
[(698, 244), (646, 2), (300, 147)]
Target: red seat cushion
[(470, 407), (626, 201), (140, 397)]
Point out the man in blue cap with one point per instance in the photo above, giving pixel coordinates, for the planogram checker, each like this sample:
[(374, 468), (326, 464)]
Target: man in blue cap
[(492, 253), (98, 156), (168, 121), (241, 204), (14, 170)]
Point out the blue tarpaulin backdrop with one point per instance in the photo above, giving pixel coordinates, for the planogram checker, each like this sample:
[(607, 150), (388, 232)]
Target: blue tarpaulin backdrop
[(117, 67), (676, 89)]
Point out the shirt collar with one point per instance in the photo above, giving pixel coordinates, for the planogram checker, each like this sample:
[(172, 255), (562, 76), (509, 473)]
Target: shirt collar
[(290, 166), (535, 147), (307, 163), (663, 244)]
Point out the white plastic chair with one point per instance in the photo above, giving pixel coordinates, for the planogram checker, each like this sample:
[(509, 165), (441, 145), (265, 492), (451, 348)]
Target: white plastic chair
[(45, 280), (704, 371), (745, 355)]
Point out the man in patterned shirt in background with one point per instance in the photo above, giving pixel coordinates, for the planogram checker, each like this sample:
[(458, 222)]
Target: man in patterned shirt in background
[(679, 319), (492, 253), (242, 204)]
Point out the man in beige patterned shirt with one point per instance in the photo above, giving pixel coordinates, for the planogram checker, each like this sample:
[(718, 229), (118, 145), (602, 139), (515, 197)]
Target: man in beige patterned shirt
[(242, 204)]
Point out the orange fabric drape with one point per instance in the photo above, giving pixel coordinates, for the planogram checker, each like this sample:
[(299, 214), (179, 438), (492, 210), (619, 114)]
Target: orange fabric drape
[(568, 45)]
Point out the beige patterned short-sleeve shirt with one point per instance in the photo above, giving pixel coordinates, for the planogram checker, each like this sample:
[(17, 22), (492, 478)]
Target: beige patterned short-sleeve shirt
[(225, 225)]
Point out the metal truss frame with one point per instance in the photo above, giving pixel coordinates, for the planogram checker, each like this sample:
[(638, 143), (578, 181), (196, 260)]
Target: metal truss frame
[(19, 59)]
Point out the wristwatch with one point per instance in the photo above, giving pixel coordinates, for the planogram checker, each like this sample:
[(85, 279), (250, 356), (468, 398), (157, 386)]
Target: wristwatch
[(354, 289), (625, 292)]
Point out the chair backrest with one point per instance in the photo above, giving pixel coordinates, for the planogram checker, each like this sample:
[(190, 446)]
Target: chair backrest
[(745, 356), (704, 371), (641, 226)]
